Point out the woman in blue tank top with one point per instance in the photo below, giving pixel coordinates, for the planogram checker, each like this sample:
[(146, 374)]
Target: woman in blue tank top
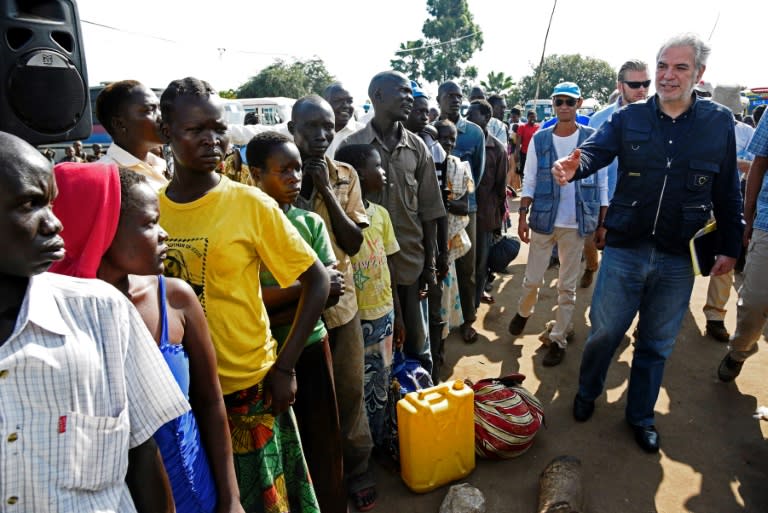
[(196, 447)]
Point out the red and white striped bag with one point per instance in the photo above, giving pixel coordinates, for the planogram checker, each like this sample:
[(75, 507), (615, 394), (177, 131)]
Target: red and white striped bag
[(507, 417)]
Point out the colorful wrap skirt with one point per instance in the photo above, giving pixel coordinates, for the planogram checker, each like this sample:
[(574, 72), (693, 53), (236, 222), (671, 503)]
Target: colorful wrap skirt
[(271, 471)]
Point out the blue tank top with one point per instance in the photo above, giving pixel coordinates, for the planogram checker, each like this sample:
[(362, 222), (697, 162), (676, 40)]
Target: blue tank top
[(184, 457)]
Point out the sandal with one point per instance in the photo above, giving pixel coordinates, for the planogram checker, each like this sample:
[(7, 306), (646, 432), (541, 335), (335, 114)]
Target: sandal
[(468, 334), (487, 299), (365, 499)]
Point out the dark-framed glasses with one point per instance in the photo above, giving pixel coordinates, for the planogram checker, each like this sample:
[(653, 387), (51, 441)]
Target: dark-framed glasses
[(571, 102), (637, 85)]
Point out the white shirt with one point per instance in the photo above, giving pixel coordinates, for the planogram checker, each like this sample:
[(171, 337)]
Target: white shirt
[(566, 209), (81, 382), (154, 168), (498, 129), (350, 128)]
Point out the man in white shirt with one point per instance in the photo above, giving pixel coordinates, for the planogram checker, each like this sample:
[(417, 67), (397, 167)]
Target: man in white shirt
[(562, 216), (82, 384), (343, 107)]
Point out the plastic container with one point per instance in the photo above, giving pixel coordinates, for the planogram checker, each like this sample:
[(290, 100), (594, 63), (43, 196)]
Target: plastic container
[(437, 435)]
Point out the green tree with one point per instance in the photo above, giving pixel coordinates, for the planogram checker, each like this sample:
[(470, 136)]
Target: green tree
[(228, 93), (497, 83), (450, 39), (410, 59), (292, 80), (595, 77)]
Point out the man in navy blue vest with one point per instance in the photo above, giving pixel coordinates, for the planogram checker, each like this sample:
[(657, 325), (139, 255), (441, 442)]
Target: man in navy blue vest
[(558, 215), (677, 161)]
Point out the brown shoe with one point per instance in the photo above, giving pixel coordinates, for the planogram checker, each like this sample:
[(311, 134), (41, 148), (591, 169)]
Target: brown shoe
[(716, 330), (586, 279), (554, 356)]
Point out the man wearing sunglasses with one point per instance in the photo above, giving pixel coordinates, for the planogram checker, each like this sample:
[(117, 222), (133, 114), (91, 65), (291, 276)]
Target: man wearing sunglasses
[(632, 83), (558, 215), (677, 161)]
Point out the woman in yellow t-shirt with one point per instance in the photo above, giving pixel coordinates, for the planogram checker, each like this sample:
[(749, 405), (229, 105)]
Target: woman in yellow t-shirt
[(224, 231)]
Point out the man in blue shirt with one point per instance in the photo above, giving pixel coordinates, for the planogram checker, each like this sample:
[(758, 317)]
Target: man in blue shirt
[(470, 146), (752, 309), (632, 84), (677, 162)]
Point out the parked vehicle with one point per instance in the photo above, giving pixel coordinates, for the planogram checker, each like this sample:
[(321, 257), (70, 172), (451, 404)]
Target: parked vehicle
[(270, 111)]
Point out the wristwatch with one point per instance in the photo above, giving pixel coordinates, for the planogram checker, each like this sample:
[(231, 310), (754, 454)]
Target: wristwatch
[(523, 210)]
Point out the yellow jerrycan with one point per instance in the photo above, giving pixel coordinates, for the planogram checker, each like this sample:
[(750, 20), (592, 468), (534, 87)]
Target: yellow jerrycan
[(437, 435)]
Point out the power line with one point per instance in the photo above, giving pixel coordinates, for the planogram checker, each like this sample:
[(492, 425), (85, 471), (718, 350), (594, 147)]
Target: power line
[(220, 50), (442, 43)]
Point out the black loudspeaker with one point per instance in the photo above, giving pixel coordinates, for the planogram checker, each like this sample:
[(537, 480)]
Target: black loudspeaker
[(43, 81)]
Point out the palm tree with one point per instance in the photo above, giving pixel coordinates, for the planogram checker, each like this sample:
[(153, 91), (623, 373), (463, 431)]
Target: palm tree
[(497, 83)]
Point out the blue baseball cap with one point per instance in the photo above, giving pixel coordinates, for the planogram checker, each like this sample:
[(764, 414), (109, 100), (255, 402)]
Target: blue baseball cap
[(567, 89), (417, 91)]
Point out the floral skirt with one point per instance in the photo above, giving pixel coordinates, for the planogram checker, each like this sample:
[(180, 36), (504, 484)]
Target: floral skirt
[(377, 338), (271, 471)]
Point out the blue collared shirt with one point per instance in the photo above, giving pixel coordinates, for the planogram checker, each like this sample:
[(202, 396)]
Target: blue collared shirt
[(470, 146), (759, 147), (595, 122)]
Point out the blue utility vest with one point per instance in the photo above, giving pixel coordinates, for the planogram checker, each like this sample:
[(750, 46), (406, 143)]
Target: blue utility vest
[(546, 197)]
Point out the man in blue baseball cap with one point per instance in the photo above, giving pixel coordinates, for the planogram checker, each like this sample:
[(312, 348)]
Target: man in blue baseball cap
[(562, 216)]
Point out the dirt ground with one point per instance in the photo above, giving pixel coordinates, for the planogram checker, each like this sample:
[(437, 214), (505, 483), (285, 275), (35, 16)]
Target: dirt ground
[(713, 458)]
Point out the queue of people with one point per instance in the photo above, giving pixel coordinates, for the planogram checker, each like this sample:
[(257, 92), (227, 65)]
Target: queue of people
[(177, 336)]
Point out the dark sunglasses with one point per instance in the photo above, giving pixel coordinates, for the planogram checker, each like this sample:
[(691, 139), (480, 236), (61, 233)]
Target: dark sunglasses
[(638, 85), (571, 102)]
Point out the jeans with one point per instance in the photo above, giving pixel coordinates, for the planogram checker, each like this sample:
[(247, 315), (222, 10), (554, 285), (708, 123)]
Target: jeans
[(658, 285)]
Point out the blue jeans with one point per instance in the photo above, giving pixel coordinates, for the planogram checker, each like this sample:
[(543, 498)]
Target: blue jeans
[(658, 285)]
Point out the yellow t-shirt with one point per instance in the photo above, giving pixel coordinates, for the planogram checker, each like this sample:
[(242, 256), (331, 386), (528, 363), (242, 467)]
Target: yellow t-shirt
[(371, 272), (217, 244)]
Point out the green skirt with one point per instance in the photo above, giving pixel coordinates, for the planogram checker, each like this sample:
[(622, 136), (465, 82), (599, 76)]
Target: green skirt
[(271, 471)]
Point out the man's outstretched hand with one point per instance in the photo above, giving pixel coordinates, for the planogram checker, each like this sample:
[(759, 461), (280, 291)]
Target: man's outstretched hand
[(565, 168)]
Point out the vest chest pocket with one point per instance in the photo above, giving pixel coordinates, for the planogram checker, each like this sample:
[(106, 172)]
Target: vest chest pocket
[(701, 174), (635, 150)]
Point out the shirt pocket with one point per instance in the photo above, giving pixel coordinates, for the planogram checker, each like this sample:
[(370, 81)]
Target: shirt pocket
[(411, 192), (93, 451), (341, 191)]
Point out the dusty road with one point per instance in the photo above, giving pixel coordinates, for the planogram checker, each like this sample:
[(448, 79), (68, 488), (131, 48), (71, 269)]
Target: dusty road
[(714, 455)]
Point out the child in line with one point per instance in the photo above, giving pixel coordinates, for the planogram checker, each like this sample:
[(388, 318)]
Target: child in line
[(225, 231), (457, 184), (275, 167), (373, 268), (112, 233)]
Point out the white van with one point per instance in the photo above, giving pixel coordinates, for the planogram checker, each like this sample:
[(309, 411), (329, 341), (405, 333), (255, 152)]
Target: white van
[(271, 111)]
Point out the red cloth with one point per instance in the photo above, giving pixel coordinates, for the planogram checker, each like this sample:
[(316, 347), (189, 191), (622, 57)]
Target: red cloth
[(88, 206), (525, 134)]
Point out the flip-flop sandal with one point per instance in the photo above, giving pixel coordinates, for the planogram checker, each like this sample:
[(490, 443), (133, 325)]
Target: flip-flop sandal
[(487, 299), (365, 499)]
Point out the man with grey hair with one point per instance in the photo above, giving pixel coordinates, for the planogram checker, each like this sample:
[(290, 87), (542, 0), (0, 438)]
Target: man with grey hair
[(632, 85), (677, 162)]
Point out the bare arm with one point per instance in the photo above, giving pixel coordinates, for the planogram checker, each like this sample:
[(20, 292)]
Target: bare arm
[(754, 183), (281, 379), (147, 480), (349, 236), (205, 394), (399, 327)]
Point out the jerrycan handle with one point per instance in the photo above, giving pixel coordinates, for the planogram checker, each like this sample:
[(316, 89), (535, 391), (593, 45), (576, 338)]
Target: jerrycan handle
[(436, 394)]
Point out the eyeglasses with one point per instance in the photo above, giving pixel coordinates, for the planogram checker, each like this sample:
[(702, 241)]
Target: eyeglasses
[(571, 102), (638, 85)]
